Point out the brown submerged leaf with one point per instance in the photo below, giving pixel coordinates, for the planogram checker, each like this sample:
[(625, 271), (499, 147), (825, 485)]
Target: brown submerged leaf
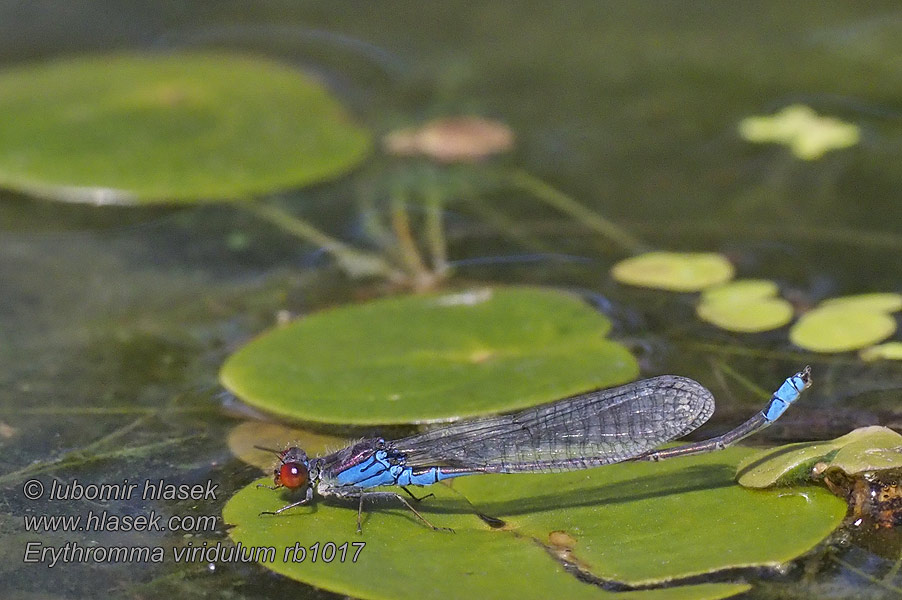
[(452, 139)]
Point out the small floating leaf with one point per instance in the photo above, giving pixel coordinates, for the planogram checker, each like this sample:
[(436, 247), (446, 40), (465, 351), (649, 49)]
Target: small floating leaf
[(864, 449), (877, 302), (674, 271), (841, 328), (747, 306), (887, 351), (742, 290), (635, 523), (808, 135), (430, 358), (869, 449), (169, 128)]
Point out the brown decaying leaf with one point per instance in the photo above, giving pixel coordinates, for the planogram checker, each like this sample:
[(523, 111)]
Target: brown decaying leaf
[(451, 139)]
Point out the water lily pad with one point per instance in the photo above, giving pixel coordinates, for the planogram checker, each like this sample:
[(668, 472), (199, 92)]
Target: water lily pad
[(887, 351), (430, 358), (647, 523), (841, 327), (674, 271), (244, 437), (877, 302), (862, 450), (869, 449), (637, 523), (808, 135), (747, 305), (741, 290), (169, 128)]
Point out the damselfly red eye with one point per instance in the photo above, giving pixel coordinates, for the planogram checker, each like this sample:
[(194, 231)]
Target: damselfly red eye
[(291, 475)]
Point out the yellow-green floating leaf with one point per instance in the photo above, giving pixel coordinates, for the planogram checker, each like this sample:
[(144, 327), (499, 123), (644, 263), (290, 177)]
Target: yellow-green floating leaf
[(747, 306), (864, 449), (169, 128), (808, 135), (674, 271), (878, 302), (887, 351), (430, 358), (741, 290), (841, 328), (638, 523)]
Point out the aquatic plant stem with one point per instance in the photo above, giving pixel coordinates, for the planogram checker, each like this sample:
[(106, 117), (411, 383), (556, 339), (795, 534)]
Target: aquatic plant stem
[(355, 263), (503, 225), (866, 576), (372, 223), (564, 203), (79, 457), (744, 381), (435, 232), (413, 261)]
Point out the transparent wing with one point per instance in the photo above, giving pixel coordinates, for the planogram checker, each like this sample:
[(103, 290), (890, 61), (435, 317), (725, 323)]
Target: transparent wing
[(591, 429)]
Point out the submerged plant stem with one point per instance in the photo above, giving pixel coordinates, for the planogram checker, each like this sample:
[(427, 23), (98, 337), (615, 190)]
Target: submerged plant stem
[(866, 576), (564, 203), (435, 232), (355, 263), (81, 411), (503, 225), (413, 261), (80, 457), (794, 357), (743, 380), (372, 223)]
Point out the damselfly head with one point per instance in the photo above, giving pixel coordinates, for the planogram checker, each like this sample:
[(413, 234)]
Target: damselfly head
[(293, 470)]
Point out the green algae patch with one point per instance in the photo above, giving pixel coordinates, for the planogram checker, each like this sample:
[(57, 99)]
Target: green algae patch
[(173, 128), (439, 357)]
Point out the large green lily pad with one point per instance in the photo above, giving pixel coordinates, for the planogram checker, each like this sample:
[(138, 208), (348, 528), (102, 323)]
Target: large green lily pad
[(636, 523), (430, 358), (674, 271), (169, 128), (862, 450), (749, 305)]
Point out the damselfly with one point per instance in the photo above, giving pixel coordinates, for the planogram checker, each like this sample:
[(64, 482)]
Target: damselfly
[(588, 430)]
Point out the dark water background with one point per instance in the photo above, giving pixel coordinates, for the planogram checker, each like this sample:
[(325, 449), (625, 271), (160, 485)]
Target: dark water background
[(114, 321)]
